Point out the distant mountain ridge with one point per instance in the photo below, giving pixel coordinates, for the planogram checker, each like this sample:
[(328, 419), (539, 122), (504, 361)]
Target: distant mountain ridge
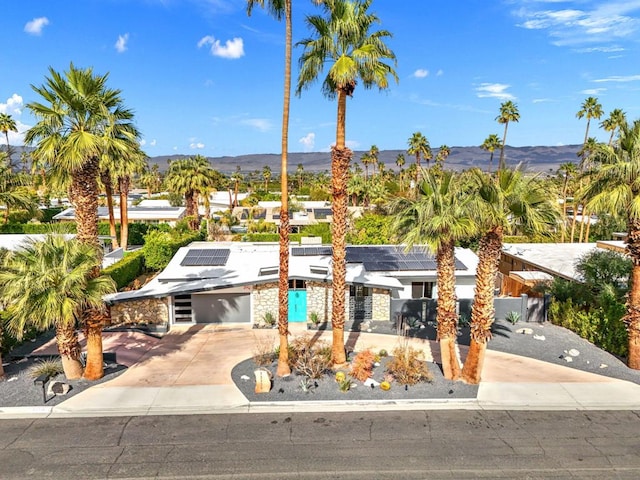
[(540, 159)]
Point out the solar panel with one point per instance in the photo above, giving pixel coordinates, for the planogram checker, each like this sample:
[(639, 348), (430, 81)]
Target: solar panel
[(206, 257), (310, 251)]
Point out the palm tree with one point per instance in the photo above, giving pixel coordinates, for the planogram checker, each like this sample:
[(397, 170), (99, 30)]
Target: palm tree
[(13, 193), (300, 175), (190, 177), (400, 162), (490, 144), (419, 146), (439, 217), (616, 119), (80, 119), (567, 170), (236, 178), (366, 160), (507, 202), (508, 113), (266, 176), (344, 41), (615, 187), (130, 164), (7, 124), (49, 284), (590, 108)]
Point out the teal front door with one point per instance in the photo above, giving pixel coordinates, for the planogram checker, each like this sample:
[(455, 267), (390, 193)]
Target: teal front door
[(297, 305)]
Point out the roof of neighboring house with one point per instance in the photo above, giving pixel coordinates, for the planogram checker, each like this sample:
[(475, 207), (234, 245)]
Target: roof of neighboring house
[(135, 213), (204, 266), (16, 241), (557, 259)]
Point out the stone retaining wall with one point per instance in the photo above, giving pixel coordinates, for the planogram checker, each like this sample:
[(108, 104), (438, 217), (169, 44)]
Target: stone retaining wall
[(381, 302), (264, 300), (152, 311)]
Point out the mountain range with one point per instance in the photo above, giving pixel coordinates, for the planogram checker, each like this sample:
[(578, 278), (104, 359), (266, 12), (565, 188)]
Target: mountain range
[(539, 159)]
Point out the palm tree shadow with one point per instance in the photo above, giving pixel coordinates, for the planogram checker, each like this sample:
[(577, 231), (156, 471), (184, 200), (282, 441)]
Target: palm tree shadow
[(501, 330)]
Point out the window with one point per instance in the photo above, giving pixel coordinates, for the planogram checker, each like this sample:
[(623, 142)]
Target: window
[(359, 291), (297, 284), (421, 289)]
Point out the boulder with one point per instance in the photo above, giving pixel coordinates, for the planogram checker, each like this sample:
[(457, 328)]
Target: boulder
[(263, 380)]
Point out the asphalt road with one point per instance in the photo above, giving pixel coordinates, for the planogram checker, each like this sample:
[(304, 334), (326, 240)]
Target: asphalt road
[(373, 446)]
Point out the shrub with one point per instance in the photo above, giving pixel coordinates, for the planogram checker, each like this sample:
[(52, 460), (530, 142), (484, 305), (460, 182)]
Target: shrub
[(362, 365), (50, 367), (312, 362), (160, 247), (269, 319), (263, 352), (407, 366), (512, 317), (126, 270)]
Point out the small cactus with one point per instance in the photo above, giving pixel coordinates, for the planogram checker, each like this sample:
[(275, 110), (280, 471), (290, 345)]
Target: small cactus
[(385, 385)]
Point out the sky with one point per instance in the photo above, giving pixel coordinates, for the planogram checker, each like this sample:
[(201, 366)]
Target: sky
[(204, 78)]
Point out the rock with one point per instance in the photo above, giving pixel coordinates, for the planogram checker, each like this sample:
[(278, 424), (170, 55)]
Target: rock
[(370, 382), (539, 337), (58, 388), (12, 379), (263, 380), (525, 331), (603, 365), (573, 352), (568, 359), (110, 366), (422, 326), (368, 330), (245, 377), (376, 364)]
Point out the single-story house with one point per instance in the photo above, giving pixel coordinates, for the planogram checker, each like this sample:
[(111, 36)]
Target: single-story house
[(137, 214), (229, 282), (523, 265)]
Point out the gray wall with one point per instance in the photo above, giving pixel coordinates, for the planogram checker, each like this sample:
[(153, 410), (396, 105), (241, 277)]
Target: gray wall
[(221, 308)]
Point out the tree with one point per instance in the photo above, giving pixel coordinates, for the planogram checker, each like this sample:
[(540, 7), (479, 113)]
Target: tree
[(80, 119), (419, 146), (616, 119), (130, 164), (508, 113), (400, 162), (12, 192), (266, 176), (567, 170), (590, 108), (507, 202), (151, 179), (615, 187), (439, 217), (7, 124), (344, 41), (490, 144), (191, 177), (300, 175), (49, 284), (366, 160)]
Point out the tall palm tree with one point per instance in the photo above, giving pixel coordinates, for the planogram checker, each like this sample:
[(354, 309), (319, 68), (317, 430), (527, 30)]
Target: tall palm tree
[(13, 193), (439, 217), (615, 187), (130, 164), (507, 202), (490, 144), (190, 177), (7, 124), (616, 119), (419, 146), (567, 170), (366, 160), (400, 162), (508, 113), (344, 41), (49, 284), (79, 120), (590, 108)]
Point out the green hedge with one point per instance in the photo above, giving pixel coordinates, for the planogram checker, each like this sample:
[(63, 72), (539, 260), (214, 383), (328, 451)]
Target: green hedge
[(160, 247), (126, 270), (37, 228)]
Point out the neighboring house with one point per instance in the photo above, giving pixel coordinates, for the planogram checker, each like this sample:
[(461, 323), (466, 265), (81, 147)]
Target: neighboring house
[(137, 214), (524, 265), (231, 282)]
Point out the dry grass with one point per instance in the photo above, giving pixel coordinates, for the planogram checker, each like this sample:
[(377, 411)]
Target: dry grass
[(408, 367), (263, 350), (362, 365)]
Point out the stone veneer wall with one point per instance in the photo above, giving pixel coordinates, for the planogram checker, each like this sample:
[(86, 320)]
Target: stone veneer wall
[(152, 311), (381, 304), (264, 299), (319, 298)]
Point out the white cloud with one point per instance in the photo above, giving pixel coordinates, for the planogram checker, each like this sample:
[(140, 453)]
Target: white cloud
[(593, 91), (196, 146), (13, 106), (35, 26), (494, 90), (121, 43), (261, 124), (143, 142), (308, 141), (421, 73), (232, 48), (604, 22), (541, 100), (153, 142), (439, 73), (619, 79), (610, 49)]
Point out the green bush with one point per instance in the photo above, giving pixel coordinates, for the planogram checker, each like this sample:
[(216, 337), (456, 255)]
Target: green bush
[(126, 270), (38, 228), (160, 247), (49, 213)]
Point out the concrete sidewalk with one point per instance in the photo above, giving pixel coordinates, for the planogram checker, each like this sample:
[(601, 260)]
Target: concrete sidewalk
[(189, 371)]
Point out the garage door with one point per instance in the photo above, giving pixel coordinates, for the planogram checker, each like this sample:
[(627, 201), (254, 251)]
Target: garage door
[(221, 308)]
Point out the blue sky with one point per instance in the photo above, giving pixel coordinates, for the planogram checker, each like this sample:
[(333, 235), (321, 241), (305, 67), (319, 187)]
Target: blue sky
[(203, 78)]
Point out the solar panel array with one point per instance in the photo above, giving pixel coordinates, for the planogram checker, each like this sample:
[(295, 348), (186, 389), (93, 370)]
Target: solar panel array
[(383, 258), (206, 257)]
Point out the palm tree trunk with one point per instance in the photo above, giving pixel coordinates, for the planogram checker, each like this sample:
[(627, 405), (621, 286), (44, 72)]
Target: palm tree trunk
[(123, 184), (69, 349), (105, 177), (446, 311), (632, 317), (84, 189), (491, 161), (564, 208), (583, 221), (502, 164), (574, 219), (283, 280), (482, 312)]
